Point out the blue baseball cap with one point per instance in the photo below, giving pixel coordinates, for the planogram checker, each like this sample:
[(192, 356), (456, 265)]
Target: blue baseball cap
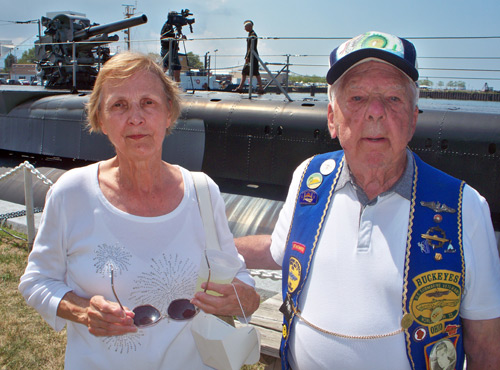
[(379, 45)]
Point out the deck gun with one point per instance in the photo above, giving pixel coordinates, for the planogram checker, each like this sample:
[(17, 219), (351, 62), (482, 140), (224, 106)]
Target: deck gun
[(71, 50)]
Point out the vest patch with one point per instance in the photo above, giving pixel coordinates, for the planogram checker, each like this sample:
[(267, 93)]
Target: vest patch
[(436, 299), (301, 248), (294, 271), (308, 197), (442, 354)]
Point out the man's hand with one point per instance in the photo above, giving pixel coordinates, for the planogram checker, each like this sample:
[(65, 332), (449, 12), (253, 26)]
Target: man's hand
[(256, 250)]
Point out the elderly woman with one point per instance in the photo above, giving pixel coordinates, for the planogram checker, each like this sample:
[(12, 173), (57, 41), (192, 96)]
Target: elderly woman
[(129, 227)]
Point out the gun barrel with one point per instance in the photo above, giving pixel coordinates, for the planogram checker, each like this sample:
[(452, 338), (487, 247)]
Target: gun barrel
[(108, 28)]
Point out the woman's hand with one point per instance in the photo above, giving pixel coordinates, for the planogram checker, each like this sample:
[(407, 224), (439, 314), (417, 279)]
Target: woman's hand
[(227, 304), (107, 318), (102, 317)]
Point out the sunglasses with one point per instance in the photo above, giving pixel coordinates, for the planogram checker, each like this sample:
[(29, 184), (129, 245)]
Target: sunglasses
[(147, 315)]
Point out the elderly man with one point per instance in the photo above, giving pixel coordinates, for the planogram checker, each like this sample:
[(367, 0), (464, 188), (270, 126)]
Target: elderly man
[(385, 259)]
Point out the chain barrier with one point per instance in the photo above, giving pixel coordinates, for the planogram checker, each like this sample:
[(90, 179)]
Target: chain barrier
[(11, 172), (266, 274), (6, 216), (32, 169), (35, 172), (263, 274)]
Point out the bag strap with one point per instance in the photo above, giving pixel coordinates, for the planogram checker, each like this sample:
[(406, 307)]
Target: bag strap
[(206, 210), (207, 216)]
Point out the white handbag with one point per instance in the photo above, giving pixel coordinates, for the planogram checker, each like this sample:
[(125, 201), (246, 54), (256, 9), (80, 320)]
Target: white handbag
[(219, 343)]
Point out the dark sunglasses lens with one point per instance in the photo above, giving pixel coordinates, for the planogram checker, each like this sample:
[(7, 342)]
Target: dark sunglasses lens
[(181, 309), (146, 315)]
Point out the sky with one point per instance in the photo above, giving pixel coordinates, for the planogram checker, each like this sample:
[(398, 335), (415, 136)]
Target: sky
[(452, 37)]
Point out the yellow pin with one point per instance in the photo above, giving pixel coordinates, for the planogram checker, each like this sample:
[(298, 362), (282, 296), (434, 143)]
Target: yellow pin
[(407, 321)]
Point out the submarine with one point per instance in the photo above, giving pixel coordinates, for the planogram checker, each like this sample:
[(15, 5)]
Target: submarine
[(250, 147)]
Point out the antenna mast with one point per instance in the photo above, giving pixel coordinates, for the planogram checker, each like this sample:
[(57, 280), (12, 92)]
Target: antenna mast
[(129, 12)]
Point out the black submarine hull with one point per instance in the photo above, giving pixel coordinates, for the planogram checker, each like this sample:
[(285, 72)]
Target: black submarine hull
[(250, 147)]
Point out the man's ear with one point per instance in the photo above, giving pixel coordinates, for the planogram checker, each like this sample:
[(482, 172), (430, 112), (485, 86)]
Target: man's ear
[(331, 126), (414, 121)]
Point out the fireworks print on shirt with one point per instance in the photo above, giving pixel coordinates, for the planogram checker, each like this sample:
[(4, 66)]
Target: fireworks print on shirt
[(111, 255), (124, 343), (170, 278)]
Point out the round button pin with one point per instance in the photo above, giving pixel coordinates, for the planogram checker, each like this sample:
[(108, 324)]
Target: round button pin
[(327, 167), (314, 180), (407, 320)]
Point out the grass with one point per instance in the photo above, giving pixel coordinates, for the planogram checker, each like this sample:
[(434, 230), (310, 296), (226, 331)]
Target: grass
[(26, 341)]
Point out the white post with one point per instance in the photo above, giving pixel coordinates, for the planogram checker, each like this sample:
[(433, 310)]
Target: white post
[(74, 66), (28, 199)]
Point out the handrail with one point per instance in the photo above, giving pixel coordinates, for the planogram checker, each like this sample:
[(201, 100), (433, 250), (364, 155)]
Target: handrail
[(296, 61)]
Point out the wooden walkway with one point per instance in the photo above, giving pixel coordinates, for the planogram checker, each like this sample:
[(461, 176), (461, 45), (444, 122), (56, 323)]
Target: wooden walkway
[(268, 320)]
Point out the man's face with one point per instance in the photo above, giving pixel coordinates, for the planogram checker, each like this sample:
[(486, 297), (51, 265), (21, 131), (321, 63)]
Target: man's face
[(248, 27), (373, 115)]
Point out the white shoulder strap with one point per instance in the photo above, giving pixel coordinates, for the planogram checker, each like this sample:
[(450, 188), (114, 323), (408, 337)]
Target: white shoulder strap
[(206, 210)]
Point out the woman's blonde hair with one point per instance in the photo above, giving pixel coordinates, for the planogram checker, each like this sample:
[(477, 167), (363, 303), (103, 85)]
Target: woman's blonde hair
[(118, 69)]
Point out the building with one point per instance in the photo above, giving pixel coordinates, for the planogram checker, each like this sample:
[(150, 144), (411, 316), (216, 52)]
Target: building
[(23, 72), (6, 47)]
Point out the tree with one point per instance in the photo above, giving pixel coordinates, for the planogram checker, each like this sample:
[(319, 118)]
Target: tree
[(307, 79), (194, 61), (451, 84), (9, 61), (28, 57), (461, 85), (440, 84), (425, 82)]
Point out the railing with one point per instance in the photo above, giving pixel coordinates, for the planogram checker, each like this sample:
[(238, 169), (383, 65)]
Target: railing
[(305, 55), (280, 63), (29, 170), (285, 65)]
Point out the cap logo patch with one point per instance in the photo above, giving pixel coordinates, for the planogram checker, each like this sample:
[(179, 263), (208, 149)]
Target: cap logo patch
[(374, 40)]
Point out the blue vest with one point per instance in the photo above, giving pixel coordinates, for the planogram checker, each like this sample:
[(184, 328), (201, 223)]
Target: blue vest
[(434, 264)]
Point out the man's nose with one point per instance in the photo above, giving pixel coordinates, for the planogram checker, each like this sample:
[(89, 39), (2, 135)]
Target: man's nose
[(376, 108)]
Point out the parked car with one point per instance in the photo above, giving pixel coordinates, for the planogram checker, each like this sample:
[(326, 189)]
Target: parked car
[(13, 82), (3, 81)]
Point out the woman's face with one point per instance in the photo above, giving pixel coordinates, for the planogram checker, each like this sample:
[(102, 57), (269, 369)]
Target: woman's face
[(135, 116)]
